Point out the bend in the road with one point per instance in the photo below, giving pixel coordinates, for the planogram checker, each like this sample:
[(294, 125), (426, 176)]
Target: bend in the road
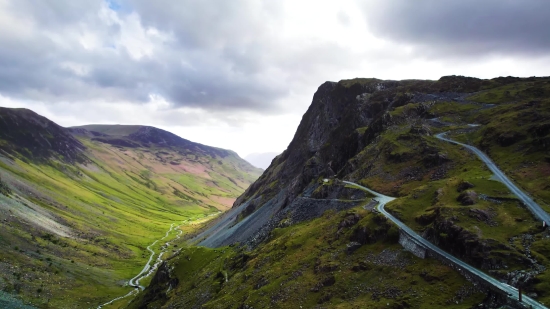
[(511, 291), (531, 205)]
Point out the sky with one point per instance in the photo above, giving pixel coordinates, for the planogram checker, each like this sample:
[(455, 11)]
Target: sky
[(240, 74)]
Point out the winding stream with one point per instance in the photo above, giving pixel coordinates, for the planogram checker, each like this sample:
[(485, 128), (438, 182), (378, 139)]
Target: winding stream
[(148, 269)]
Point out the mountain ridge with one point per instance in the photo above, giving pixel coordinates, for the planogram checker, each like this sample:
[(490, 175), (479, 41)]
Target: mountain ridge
[(79, 210), (39, 138), (298, 233)]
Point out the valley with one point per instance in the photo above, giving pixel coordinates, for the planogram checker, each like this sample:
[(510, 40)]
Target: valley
[(459, 165), (80, 213)]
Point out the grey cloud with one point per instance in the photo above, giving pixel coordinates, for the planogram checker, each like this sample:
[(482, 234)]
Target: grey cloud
[(223, 46), (223, 56), (466, 27), (212, 24)]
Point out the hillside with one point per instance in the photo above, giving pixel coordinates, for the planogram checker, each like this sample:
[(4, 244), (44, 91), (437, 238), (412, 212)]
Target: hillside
[(305, 238), (78, 210)]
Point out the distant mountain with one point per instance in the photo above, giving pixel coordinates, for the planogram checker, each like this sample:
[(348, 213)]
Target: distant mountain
[(79, 206), (261, 160), (145, 136), (26, 133)]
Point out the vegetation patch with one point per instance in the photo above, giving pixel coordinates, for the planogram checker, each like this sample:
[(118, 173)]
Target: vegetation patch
[(309, 265)]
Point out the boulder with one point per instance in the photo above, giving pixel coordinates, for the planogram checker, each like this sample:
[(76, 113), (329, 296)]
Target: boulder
[(464, 185), (468, 197), (352, 246)]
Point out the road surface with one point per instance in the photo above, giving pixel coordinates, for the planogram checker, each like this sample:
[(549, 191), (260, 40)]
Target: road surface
[(537, 211), (511, 291)]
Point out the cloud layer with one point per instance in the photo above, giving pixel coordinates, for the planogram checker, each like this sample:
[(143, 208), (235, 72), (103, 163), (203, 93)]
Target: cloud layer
[(216, 56), (227, 72), (466, 28)]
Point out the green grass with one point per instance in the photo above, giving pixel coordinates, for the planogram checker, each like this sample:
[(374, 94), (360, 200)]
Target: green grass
[(286, 272), (406, 161), (512, 92), (114, 210), (394, 164)]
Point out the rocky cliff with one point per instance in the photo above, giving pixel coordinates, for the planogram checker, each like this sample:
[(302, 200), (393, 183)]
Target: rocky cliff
[(380, 133), (309, 239)]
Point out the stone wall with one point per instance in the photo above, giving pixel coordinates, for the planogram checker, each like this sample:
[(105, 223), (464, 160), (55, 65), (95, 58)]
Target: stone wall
[(420, 250), (411, 245)]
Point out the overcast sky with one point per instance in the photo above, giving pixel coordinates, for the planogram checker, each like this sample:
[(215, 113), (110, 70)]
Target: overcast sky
[(240, 74)]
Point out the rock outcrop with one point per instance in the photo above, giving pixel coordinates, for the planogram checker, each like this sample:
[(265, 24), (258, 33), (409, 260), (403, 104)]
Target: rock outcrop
[(468, 197), (341, 121)]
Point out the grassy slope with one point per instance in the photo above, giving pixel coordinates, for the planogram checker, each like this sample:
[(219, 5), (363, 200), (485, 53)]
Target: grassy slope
[(115, 206), (296, 267), (518, 109)]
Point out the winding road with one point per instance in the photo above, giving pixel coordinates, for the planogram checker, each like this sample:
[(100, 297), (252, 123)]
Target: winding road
[(511, 291), (147, 269), (537, 211)]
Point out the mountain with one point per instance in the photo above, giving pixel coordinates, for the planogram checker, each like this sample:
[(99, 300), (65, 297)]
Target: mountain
[(81, 208), (35, 137), (300, 236), (144, 136), (261, 160)]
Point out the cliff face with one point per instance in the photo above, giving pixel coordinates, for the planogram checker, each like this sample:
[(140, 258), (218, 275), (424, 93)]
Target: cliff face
[(325, 139), (378, 132), (381, 134), (343, 118)]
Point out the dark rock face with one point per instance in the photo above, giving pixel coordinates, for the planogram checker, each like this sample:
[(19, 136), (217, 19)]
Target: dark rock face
[(335, 113), (427, 218), (37, 138), (509, 138), (349, 220), (464, 244), (480, 215), (160, 283), (435, 159), (468, 197), (352, 247), (342, 120), (464, 185)]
